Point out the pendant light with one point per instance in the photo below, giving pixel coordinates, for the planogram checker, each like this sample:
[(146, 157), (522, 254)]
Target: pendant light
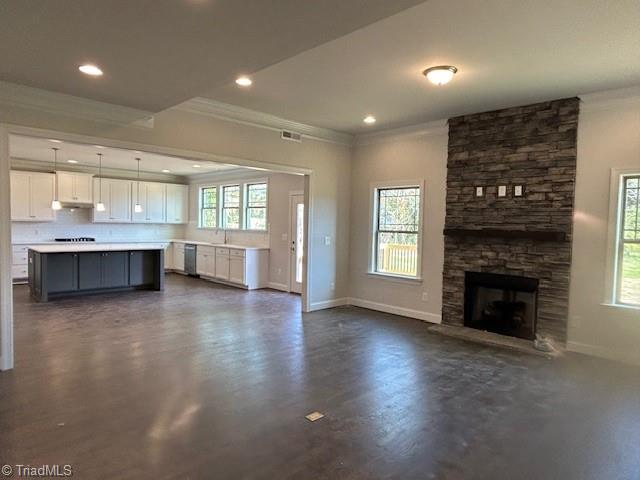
[(100, 206), (138, 208), (55, 204)]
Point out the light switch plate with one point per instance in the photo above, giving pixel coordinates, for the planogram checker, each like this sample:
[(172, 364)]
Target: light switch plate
[(479, 192), (518, 190), (327, 240), (502, 190)]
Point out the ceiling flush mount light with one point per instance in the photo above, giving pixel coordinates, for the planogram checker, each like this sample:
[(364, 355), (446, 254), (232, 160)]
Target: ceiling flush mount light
[(72, 161), (55, 204), (55, 141), (369, 120), (89, 69), (244, 81), (196, 166), (440, 75), (166, 171), (137, 207), (100, 206)]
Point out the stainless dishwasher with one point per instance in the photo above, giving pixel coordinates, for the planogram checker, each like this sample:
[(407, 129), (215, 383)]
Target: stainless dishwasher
[(190, 256)]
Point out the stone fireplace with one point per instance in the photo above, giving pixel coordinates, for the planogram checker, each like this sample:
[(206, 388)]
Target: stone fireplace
[(517, 227)]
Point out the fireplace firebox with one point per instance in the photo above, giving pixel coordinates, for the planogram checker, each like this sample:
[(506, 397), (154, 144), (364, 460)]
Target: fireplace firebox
[(504, 304)]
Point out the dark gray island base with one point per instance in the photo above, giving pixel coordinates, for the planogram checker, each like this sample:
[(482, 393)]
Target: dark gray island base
[(55, 274)]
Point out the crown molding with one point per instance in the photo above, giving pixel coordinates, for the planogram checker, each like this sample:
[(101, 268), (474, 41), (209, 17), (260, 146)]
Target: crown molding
[(245, 116), (15, 95), (234, 175), (611, 100), (437, 127), (28, 164)]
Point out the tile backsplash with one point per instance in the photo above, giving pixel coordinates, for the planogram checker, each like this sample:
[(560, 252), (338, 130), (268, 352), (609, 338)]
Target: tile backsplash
[(77, 223), (238, 237)]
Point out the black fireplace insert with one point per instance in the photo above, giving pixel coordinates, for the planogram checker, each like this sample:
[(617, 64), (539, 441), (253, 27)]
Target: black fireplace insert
[(504, 304)]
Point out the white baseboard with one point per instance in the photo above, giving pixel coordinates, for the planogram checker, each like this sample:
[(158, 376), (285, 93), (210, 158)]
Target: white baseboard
[(395, 310), (278, 286), (336, 302), (603, 352), (380, 307)]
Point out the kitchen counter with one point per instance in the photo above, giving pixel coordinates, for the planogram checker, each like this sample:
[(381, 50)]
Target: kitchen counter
[(220, 245)]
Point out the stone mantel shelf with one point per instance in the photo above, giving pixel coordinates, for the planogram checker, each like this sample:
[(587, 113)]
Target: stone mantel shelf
[(541, 235)]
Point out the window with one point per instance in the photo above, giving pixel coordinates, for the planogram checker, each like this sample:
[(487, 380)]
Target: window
[(231, 206), (208, 207), (256, 207), (396, 233), (628, 262)]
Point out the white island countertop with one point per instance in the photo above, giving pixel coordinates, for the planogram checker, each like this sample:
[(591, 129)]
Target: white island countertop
[(95, 247)]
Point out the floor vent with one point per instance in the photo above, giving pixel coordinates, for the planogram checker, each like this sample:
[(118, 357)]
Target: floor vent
[(291, 136)]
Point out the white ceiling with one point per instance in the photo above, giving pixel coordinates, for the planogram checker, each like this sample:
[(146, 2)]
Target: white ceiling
[(156, 54), (507, 52), (39, 149)]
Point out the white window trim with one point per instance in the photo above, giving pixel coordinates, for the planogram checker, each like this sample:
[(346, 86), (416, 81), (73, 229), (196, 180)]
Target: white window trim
[(373, 219), (240, 206), (200, 188), (613, 236), (243, 188)]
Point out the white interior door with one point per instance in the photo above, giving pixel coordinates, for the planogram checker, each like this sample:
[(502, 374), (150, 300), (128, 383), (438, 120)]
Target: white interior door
[(296, 239)]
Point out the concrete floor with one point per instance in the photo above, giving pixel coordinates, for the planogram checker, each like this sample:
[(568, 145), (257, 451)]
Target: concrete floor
[(205, 381)]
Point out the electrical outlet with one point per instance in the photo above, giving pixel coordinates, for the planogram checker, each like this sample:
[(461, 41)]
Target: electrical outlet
[(285, 237), (279, 271), (333, 286), (425, 297)]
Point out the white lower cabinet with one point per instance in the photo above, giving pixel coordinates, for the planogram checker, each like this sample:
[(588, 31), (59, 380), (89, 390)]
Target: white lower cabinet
[(19, 265), (237, 267), (178, 256), (222, 263), (206, 261), (168, 257), (245, 268)]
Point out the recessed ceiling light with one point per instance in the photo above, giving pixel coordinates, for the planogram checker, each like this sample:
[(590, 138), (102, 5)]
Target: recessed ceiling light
[(72, 161), (440, 75), (55, 141), (166, 171), (90, 69), (196, 166), (244, 81), (369, 119)]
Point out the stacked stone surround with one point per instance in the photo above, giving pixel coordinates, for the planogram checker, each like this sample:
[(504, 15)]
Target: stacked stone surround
[(534, 146)]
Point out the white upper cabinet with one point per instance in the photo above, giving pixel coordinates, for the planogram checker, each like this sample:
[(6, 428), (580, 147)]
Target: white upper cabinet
[(177, 203), (116, 197), (31, 196), (152, 200), (74, 187)]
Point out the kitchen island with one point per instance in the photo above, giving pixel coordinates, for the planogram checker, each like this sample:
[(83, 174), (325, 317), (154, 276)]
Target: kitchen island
[(81, 269)]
